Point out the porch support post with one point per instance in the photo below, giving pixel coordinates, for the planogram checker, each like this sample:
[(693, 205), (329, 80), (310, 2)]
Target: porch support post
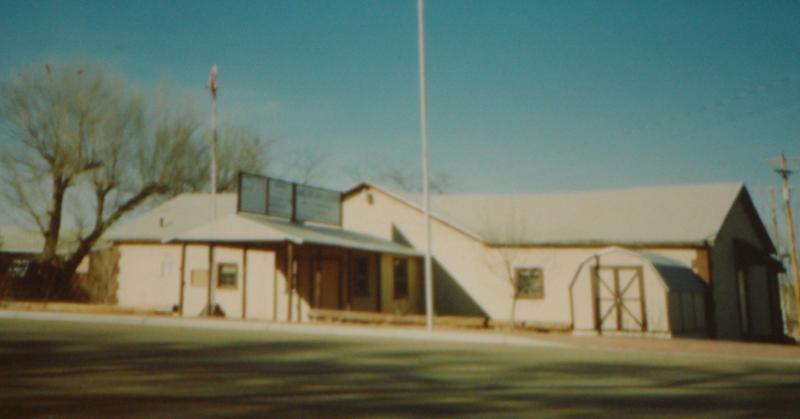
[(244, 283), (182, 282)]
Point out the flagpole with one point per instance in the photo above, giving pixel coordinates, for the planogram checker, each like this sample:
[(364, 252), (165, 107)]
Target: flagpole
[(423, 105), (212, 274)]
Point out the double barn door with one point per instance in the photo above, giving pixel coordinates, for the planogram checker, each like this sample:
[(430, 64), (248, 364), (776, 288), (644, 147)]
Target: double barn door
[(619, 303)]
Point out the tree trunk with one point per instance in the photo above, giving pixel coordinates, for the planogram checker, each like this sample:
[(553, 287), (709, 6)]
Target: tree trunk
[(51, 236), (513, 312)]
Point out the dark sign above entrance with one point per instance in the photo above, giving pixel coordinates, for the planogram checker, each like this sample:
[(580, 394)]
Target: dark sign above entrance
[(317, 204), (300, 203)]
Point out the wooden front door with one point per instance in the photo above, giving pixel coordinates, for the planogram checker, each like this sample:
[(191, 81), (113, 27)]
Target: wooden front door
[(619, 298), (328, 284)]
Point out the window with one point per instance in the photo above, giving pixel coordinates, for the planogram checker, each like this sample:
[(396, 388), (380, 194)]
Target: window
[(359, 276), (199, 278), (227, 275), (400, 278), (530, 283), (18, 268)]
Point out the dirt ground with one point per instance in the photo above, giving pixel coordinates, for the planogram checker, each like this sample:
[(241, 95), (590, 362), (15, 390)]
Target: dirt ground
[(750, 350)]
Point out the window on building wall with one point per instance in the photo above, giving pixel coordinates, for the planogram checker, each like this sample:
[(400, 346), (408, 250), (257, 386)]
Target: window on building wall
[(227, 275), (18, 268), (530, 283), (359, 277), (400, 278)]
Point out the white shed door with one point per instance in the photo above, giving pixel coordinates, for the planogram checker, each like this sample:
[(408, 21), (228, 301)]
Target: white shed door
[(619, 298)]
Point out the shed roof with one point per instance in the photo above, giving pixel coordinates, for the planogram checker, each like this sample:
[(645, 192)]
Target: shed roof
[(691, 214), (675, 275), (253, 228)]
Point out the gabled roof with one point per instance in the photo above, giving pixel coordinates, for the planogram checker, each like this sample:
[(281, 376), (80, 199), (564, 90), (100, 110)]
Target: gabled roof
[(665, 215), (173, 217)]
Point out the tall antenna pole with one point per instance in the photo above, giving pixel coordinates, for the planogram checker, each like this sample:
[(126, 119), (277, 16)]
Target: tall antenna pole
[(212, 274), (212, 87), (423, 106)]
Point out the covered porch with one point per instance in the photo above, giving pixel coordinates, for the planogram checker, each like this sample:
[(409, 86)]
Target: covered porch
[(272, 269)]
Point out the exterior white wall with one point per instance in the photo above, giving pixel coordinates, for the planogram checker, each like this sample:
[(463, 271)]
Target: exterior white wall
[(230, 299), (195, 297), (261, 277), (260, 284), (149, 276), (479, 270)]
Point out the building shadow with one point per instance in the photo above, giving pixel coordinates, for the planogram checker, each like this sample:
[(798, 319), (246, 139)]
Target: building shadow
[(449, 297)]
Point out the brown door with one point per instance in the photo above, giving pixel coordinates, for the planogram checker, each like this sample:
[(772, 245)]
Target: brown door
[(329, 284), (619, 299)]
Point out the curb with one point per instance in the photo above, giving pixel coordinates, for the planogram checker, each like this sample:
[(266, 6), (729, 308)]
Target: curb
[(300, 329)]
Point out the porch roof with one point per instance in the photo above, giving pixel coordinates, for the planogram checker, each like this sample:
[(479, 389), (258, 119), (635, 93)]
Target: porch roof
[(245, 228)]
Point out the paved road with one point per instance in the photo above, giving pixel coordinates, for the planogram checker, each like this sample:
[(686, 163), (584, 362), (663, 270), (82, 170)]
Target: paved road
[(63, 369)]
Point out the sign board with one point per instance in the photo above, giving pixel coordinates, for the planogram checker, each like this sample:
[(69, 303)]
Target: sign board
[(279, 198), (279, 201), (317, 204), (252, 193)]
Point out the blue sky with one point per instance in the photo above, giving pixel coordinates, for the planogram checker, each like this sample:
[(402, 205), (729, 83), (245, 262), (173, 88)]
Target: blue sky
[(524, 95)]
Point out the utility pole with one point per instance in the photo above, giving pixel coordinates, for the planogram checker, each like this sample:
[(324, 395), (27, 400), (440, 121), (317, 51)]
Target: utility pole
[(784, 172), (212, 271), (423, 105)]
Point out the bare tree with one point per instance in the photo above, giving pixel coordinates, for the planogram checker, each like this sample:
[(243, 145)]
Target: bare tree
[(304, 165), (239, 150), (84, 132), (402, 178), (503, 236)]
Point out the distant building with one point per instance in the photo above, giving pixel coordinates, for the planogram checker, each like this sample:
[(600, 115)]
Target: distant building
[(19, 248), (663, 261)]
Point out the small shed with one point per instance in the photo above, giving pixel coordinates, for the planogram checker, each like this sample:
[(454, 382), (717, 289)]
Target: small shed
[(621, 291)]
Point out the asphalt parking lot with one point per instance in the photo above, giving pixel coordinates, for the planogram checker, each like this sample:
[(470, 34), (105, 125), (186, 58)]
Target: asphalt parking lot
[(66, 369)]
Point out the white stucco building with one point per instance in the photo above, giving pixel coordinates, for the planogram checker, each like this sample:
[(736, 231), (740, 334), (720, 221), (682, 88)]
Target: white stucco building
[(666, 261)]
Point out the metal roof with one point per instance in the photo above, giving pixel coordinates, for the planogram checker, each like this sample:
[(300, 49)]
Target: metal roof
[(676, 276), (190, 218), (691, 214), (173, 217)]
